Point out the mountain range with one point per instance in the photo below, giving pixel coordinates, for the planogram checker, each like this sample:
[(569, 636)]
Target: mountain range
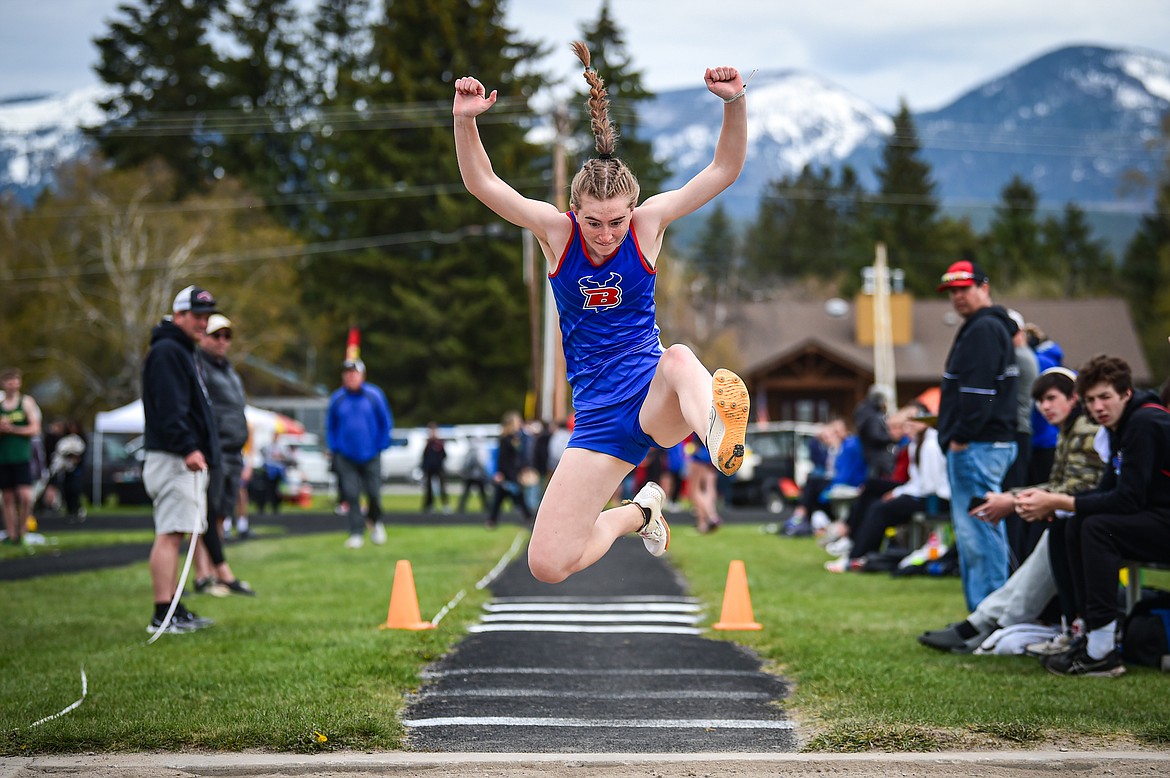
[(1076, 123)]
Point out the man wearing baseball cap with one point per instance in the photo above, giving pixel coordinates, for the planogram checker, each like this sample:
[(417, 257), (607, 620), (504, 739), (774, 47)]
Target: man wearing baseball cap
[(977, 424), (182, 443)]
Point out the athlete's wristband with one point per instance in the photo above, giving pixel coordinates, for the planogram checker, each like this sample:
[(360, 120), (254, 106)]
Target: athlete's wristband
[(735, 96)]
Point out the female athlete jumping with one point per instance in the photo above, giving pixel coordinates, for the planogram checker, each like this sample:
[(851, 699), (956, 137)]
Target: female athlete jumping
[(628, 392)]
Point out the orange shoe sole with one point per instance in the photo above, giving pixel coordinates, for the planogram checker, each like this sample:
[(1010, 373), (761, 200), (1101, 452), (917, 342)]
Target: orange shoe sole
[(733, 406)]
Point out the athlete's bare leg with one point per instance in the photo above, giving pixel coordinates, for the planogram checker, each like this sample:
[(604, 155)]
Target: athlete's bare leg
[(679, 399), (572, 529)]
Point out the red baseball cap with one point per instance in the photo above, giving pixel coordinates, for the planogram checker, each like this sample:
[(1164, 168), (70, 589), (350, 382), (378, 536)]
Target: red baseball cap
[(962, 273)]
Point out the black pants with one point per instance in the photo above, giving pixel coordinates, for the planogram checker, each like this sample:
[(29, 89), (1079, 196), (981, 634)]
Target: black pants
[(1097, 545), (880, 516), (515, 493), (468, 485), (871, 493), (429, 479)]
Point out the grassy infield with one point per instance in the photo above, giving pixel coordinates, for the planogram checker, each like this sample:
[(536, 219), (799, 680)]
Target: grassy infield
[(304, 667)]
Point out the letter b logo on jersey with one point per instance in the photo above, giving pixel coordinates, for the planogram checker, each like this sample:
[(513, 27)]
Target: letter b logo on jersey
[(600, 296)]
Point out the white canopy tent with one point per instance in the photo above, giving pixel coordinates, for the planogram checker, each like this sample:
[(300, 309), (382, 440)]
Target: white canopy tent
[(263, 426)]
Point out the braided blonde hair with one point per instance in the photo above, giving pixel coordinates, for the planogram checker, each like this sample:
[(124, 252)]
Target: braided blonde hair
[(604, 177)]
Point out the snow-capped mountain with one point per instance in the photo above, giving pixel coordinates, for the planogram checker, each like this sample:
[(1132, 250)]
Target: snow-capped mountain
[(1073, 123), (794, 119), (38, 133)]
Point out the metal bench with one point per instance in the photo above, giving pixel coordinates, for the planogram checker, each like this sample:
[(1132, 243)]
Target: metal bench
[(922, 524), (1133, 579)]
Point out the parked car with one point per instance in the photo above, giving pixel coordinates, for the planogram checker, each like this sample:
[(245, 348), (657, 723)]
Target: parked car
[(121, 476), (775, 460), (308, 458), (402, 462)]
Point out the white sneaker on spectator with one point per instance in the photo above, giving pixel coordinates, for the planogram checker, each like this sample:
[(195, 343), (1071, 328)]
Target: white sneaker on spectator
[(378, 534), (354, 541)]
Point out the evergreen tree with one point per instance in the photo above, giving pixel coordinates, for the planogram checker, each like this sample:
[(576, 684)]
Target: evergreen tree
[(433, 279), (906, 211), (265, 85), (716, 260), (168, 76), (1012, 249), (1079, 261), (607, 49), (808, 227)]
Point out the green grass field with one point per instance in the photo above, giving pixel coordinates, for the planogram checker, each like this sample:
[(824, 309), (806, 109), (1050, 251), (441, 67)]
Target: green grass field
[(304, 667)]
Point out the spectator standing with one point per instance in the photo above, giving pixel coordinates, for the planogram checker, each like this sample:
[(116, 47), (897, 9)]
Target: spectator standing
[(510, 463), (474, 473), (20, 424), (357, 429), (434, 457), (877, 443), (181, 443), (1126, 517), (702, 487), (65, 469), (977, 424), (225, 389)]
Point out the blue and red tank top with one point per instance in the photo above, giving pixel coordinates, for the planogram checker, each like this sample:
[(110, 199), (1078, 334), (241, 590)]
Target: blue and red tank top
[(608, 330)]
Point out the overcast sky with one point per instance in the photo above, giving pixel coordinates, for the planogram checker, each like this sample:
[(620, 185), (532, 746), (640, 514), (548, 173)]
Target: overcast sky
[(925, 52)]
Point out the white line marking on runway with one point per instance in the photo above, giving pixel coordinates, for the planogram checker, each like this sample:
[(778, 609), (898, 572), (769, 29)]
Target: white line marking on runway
[(592, 618), (627, 598), (617, 607), (515, 721), (598, 630), (593, 671), (578, 695)]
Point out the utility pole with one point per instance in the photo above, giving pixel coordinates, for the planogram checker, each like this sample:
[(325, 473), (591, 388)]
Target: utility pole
[(555, 394), (884, 374)]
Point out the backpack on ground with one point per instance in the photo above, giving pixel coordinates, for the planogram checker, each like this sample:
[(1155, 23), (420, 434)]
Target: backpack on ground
[(1145, 636)]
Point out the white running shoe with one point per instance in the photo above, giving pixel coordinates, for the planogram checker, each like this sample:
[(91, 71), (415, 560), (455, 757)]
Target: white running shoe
[(353, 541), (656, 533), (727, 423), (378, 534)]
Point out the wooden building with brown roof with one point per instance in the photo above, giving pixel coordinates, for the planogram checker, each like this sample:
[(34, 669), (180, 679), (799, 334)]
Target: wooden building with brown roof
[(812, 360)]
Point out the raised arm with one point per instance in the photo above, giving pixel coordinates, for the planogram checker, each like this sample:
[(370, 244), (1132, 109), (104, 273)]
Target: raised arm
[(657, 212), (471, 99)]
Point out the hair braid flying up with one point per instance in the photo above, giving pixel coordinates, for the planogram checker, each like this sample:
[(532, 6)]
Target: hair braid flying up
[(604, 177)]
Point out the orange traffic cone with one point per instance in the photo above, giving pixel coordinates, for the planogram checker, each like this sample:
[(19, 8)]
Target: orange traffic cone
[(404, 601), (737, 602)]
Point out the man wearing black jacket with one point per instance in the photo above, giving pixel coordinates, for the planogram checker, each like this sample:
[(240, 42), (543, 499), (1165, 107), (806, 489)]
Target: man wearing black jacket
[(977, 424), (1126, 517), (181, 443)]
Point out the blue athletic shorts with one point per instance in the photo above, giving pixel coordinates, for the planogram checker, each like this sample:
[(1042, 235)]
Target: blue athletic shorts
[(614, 430)]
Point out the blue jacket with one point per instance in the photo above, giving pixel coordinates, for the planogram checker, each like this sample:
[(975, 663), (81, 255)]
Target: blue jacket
[(1048, 354), (358, 423)]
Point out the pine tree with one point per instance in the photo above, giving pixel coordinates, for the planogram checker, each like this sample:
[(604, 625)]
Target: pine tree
[(906, 210), (167, 74), (1012, 250), (808, 227), (607, 49), (266, 87), (434, 280), (1080, 262)]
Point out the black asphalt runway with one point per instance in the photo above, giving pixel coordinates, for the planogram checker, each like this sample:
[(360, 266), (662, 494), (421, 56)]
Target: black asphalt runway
[(611, 660)]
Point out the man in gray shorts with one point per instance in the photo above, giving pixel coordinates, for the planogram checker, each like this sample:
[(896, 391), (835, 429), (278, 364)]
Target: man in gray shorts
[(181, 443)]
